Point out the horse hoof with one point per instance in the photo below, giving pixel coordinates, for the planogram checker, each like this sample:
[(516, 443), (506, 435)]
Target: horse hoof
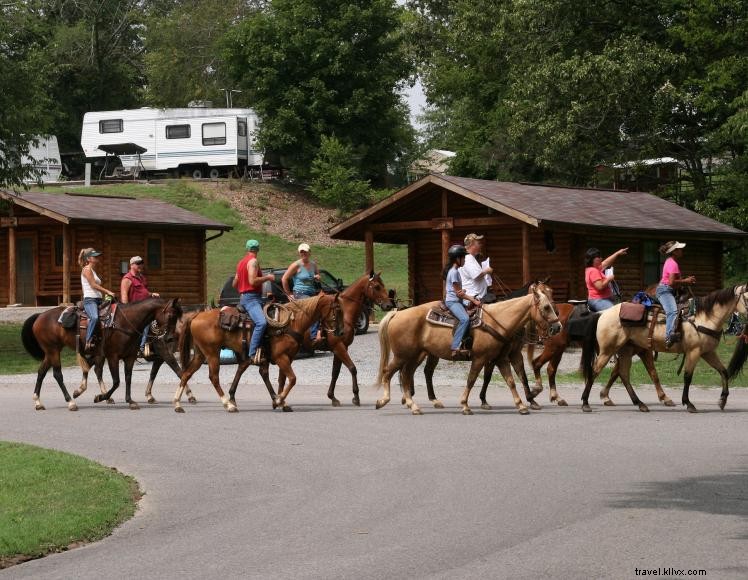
[(523, 411), (608, 403), (287, 409), (40, 408), (178, 410), (416, 411), (151, 400), (232, 409), (76, 393), (691, 409), (643, 408), (134, 406), (534, 406), (72, 406), (402, 401), (356, 401), (438, 404), (380, 404), (586, 408), (110, 401), (335, 403), (467, 412), (562, 403), (722, 403), (486, 406), (99, 398), (190, 400), (668, 402)]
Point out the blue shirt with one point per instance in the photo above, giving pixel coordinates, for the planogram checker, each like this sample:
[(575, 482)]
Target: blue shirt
[(303, 280), (452, 276)]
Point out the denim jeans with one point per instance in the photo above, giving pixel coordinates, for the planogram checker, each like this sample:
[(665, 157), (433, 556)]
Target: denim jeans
[(315, 325), (253, 304), (666, 296), (144, 337), (599, 304), (461, 314), (91, 306)]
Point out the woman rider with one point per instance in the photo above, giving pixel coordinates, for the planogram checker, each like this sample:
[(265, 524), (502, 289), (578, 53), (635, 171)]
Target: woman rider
[(599, 292), (88, 258), (453, 297), (305, 275), (671, 278)]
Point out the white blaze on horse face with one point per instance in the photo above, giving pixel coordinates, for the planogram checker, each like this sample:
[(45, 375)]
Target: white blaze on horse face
[(742, 293)]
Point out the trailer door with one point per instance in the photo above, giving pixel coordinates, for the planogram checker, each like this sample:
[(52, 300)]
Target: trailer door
[(242, 140)]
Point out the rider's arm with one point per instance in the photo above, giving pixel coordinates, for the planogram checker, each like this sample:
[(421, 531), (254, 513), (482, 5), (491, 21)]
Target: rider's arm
[(607, 262), (88, 275), (675, 280), (124, 290), (254, 278), (287, 276)]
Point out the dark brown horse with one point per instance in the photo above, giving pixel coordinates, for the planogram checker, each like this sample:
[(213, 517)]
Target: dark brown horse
[(208, 338), (44, 338)]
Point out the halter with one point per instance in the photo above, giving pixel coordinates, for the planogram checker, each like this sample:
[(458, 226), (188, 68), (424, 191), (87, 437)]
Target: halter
[(364, 294)]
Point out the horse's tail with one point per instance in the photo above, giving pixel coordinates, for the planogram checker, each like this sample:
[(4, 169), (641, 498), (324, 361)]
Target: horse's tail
[(29, 339), (185, 343), (384, 345), (589, 350), (739, 356)]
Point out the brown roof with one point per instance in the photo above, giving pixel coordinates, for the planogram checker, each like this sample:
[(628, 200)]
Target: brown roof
[(553, 205), (83, 208)]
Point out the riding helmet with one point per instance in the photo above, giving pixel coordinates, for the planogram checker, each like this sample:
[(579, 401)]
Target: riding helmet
[(456, 251)]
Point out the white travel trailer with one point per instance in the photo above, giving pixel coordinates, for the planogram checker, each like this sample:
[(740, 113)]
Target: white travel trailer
[(46, 156), (201, 142)]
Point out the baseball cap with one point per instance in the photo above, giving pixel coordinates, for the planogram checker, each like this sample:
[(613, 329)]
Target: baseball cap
[(136, 260), (675, 246), (93, 253), (252, 245), (304, 248), (470, 238)]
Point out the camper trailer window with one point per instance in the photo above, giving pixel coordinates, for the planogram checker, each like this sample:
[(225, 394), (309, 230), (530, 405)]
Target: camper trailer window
[(242, 129), (178, 132), (214, 133), (110, 126)]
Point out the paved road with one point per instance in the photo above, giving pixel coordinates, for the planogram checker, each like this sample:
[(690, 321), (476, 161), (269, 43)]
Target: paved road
[(360, 493)]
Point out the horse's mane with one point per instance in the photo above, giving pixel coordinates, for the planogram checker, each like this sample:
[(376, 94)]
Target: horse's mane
[(717, 298), (307, 306)]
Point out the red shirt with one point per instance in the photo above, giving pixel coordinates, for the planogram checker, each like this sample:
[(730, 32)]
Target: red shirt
[(243, 276), (591, 275), (138, 287)]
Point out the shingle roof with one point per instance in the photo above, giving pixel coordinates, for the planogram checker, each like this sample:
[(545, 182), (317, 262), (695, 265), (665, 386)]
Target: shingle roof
[(553, 205), (74, 208)]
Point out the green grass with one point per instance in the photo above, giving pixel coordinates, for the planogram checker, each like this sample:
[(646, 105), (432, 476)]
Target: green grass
[(667, 366), (346, 262), (50, 500), (13, 357)]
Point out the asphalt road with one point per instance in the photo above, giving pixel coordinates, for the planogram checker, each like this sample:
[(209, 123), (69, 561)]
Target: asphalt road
[(357, 493)]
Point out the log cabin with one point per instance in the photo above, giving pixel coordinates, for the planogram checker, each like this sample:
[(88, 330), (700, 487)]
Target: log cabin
[(535, 231), (42, 233)]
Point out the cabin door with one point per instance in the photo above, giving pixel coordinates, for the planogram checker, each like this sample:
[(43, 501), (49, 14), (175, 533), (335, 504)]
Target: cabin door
[(25, 272)]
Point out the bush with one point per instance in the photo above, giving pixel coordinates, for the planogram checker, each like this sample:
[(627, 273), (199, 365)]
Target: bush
[(335, 178)]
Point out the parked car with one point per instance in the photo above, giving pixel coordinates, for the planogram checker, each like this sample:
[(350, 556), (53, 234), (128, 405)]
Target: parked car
[(330, 284)]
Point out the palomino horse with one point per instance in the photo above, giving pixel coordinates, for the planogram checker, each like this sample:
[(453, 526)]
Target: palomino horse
[(407, 336), (207, 337), (701, 336), (44, 338)]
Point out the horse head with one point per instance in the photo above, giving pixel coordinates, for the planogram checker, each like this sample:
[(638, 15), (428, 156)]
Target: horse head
[(377, 292), (166, 316), (544, 310)]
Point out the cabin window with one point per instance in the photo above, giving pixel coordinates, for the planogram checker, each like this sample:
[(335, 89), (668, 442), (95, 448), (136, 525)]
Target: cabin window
[(653, 262), (214, 133), (154, 257), (177, 131), (110, 126), (58, 252), (242, 129)]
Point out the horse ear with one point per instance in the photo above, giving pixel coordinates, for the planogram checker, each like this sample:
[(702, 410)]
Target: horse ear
[(547, 280), (371, 274)]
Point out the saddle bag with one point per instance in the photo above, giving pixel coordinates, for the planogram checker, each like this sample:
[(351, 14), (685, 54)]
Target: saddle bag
[(69, 318), (633, 314)]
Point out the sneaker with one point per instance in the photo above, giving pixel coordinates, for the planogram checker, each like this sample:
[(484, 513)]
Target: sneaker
[(257, 358)]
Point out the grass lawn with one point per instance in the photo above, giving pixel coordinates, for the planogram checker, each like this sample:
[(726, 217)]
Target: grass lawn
[(51, 500), (13, 357), (667, 366)]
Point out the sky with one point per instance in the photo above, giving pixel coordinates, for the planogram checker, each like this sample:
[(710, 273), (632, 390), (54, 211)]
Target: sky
[(416, 101)]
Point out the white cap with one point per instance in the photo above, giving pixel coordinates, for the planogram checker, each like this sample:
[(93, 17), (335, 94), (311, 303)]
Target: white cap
[(304, 248), (675, 246), (135, 259)]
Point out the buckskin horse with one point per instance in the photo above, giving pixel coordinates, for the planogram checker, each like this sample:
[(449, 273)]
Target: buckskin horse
[(44, 338), (208, 338), (407, 335), (701, 336)]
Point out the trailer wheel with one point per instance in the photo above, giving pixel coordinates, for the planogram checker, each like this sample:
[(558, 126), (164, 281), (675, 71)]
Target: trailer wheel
[(214, 173), (197, 173)]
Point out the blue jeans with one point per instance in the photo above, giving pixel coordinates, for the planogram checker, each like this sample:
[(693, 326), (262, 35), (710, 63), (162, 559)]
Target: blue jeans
[(253, 303), (666, 296), (315, 325), (599, 304), (461, 314), (91, 306), (144, 337)]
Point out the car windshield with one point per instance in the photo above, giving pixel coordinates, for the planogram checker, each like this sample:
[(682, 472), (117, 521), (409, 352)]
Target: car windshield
[(327, 279)]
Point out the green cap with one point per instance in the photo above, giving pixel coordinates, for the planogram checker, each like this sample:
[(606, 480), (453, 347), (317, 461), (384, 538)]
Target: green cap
[(252, 245)]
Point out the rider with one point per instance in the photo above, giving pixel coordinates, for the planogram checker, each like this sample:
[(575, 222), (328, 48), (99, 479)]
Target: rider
[(92, 291), (453, 297), (473, 276), (134, 288), (305, 275), (248, 281), (599, 291), (671, 277)]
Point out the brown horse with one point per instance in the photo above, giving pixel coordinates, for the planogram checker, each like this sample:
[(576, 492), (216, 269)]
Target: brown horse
[(701, 336), (408, 337), (207, 337), (44, 338)]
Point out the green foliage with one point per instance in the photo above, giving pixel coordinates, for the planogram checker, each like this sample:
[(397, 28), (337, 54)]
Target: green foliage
[(13, 357), (325, 68), (50, 499), (334, 177)]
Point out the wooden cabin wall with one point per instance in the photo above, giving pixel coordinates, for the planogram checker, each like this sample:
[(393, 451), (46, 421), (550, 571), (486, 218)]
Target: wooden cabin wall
[(4, 289)]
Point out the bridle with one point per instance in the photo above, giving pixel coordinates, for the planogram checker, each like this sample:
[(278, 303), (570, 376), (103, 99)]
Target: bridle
[(536, 305), (336, 328)]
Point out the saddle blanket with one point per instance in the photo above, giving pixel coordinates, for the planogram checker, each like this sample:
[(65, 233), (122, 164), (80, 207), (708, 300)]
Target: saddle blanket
[(441, 316)]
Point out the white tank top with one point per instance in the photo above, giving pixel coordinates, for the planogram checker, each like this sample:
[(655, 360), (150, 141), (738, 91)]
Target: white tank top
[(89, 292)]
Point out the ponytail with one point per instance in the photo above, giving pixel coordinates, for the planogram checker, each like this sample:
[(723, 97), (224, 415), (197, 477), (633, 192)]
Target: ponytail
[(665, 247), (82, 259)]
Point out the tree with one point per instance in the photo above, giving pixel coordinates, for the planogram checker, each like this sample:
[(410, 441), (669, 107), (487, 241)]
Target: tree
[(314, 68), (334, 178)]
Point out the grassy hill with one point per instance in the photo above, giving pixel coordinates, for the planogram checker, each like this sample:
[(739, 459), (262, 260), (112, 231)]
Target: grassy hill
[(345, 260)]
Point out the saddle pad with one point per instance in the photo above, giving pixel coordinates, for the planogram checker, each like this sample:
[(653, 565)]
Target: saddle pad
[(632, 314), (441, 318), (577, 324)]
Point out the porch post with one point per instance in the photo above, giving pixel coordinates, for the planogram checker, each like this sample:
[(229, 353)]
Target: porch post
[(65, 264), (445, 233), (525, 253), (11, 265), (369, 250)]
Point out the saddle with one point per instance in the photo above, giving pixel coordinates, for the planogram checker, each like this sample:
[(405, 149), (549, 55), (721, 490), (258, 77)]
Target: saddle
[(639, 313), (442, 316), (76, 317)]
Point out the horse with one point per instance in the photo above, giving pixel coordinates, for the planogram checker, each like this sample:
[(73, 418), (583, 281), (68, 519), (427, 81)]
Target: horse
[(208, 338), (368, 287), (701, 336), (407, 336), (44, 338)]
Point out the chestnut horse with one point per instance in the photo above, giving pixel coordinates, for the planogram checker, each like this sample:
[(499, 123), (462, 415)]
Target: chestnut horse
[(44, 338), (701, 336), (409, 337), (208, 338)]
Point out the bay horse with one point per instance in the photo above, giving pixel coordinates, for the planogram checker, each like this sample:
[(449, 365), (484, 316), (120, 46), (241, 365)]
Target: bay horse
[(408, 337), (701, 336), (44, 338), (208, 338)]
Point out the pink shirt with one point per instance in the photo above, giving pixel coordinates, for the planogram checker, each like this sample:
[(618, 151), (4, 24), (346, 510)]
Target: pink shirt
[(592, 275), (670, 267)]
